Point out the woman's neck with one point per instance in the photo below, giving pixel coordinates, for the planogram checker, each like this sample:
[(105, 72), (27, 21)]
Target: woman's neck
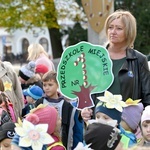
[(117, 51)]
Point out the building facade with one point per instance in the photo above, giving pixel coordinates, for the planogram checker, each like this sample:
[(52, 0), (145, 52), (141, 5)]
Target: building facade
[(13, 45)]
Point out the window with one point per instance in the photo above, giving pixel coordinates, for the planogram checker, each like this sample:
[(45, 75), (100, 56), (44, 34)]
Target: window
[(44, 43), (25, 44)]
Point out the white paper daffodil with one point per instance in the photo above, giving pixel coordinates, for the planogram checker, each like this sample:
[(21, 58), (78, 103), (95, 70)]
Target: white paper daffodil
[(33, 135), (112, 101)]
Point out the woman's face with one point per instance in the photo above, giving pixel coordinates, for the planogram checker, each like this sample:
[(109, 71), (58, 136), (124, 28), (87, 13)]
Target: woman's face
[(116, 32)]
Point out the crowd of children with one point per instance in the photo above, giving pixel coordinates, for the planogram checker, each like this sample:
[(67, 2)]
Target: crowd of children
[(45, 120)]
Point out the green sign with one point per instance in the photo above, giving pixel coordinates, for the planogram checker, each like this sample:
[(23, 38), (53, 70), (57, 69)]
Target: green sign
[(84, 69)]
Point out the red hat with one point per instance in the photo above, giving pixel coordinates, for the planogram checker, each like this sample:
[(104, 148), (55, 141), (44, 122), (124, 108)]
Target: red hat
[(40, 68), (46, 115)]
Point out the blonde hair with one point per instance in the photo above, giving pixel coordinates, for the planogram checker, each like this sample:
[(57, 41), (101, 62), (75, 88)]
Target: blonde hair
[(35, 50), (130, 25)]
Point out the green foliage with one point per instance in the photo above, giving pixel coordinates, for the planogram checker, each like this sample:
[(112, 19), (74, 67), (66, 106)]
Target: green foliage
[(77, 34), (141, 10), (27, 13)]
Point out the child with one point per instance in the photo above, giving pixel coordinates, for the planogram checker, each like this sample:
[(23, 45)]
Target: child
[(28, 77), (26, 72), (103, 137), (72, 133), (40, 130), (145, 127), (5, 103), (41, 69), (110, 108), (131, 116), (7, 132), (32, 94)]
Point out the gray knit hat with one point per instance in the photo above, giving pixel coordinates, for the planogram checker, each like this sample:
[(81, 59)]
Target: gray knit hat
[(28, 71)]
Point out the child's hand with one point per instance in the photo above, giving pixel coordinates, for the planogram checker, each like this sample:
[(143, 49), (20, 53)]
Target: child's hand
[(86, 114)]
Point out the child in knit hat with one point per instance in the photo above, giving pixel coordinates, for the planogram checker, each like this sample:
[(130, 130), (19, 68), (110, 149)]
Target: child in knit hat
[(41, 69), (110, 107), (145, 127), (32, 94), (7, 132), (131, 116), (40, 130), (28, 76), (26, 72), (103, 137)]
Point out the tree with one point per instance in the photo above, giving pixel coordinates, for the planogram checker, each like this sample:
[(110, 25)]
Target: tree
[(32, 13), (38, 13), (141, 10)]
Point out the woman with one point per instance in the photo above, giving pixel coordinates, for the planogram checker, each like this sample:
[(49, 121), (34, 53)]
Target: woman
[(130, 67), (37, 53)]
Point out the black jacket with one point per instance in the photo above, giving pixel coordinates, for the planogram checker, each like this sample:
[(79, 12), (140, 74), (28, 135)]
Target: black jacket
[(137, 86)]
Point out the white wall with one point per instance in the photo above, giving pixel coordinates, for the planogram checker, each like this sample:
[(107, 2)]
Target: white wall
[(33, 36)]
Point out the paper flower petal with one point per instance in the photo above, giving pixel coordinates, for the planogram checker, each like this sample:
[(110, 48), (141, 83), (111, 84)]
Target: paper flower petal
[(46, 139), (109, 105), (19, 124), (25, 141), (37, 145), (41, 128), (118, 97), (27, 125), (119, 108), (20, 131), (130, 101)]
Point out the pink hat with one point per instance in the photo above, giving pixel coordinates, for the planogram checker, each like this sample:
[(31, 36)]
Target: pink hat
[(46, 115), (146, 114), (40, 68)]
